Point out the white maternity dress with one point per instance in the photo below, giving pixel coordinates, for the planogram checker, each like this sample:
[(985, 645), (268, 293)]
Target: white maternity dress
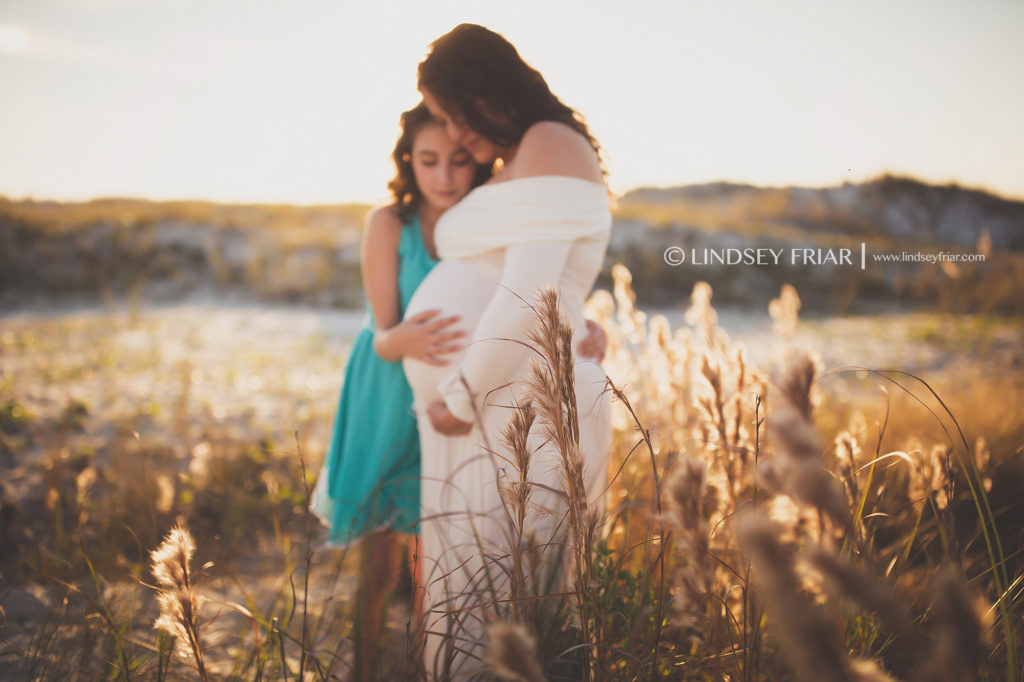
[(499, 246)]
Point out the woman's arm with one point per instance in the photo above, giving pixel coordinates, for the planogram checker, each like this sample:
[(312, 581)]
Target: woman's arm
[(547, 148), (499, 341), (445, 421)]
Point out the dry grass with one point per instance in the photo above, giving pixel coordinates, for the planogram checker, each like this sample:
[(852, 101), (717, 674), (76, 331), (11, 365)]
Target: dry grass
[(824, 519), (756, 529), (178, 595)]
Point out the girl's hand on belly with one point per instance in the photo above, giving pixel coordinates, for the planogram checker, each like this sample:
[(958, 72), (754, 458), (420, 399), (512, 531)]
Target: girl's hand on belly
[(595, 344), (421, 337), (445, 422)]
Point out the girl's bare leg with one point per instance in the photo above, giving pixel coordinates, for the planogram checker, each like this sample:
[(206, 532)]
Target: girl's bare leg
[(416, 616), (377, 573)]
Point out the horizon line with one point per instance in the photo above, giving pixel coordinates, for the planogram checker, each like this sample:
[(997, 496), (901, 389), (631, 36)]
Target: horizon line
[(886, 175)]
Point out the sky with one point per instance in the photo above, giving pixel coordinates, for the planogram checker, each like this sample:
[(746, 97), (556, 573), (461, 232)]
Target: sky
[(298, 102)]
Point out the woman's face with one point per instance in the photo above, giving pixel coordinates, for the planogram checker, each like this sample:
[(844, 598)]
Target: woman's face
[(484, 151), (444, 171)]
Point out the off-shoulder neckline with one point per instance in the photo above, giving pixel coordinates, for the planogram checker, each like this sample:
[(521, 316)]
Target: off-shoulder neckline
[(542, 177)]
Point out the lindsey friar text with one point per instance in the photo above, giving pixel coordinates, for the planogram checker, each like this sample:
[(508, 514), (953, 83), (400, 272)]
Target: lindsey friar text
[(675, 255)]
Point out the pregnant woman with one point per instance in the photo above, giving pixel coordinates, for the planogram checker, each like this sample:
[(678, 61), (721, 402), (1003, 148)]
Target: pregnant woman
[(542, 219), (369, 486)]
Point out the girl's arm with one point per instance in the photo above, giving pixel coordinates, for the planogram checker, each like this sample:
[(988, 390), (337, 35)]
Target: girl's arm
[(424, 336), (594, 345), (379, 259)]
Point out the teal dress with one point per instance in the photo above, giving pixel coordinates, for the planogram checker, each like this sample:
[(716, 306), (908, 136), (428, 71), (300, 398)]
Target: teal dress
[(371, 473)]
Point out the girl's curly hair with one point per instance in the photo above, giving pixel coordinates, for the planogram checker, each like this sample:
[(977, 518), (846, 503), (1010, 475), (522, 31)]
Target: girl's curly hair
[(403, 186)]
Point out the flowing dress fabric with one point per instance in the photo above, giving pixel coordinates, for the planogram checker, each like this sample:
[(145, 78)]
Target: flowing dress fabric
[(499, 246), (370, 476)]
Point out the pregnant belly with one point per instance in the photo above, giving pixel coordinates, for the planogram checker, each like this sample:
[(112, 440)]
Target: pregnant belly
[(455, 288)]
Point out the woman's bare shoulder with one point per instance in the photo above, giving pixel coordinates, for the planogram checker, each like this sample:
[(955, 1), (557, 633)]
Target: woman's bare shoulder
[(551, 131), (555, 148)]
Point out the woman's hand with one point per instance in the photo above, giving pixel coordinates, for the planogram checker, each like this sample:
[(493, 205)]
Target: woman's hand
[(425, 337), (594, 345), (445, 422)]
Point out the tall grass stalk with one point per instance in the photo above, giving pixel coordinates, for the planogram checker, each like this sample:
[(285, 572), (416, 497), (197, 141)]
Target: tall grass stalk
[(552, 387), (306, 646), (171, 565)]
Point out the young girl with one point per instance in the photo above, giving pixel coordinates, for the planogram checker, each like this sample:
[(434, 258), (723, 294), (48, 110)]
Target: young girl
[(369, 485), (370, 478)]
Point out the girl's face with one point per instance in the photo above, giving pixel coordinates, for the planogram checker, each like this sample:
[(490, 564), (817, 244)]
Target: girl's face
[(483, 150), (444, 171)]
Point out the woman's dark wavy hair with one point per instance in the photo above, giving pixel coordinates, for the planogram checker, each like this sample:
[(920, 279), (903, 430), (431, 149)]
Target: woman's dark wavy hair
[(472, 68), (403, 186)]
